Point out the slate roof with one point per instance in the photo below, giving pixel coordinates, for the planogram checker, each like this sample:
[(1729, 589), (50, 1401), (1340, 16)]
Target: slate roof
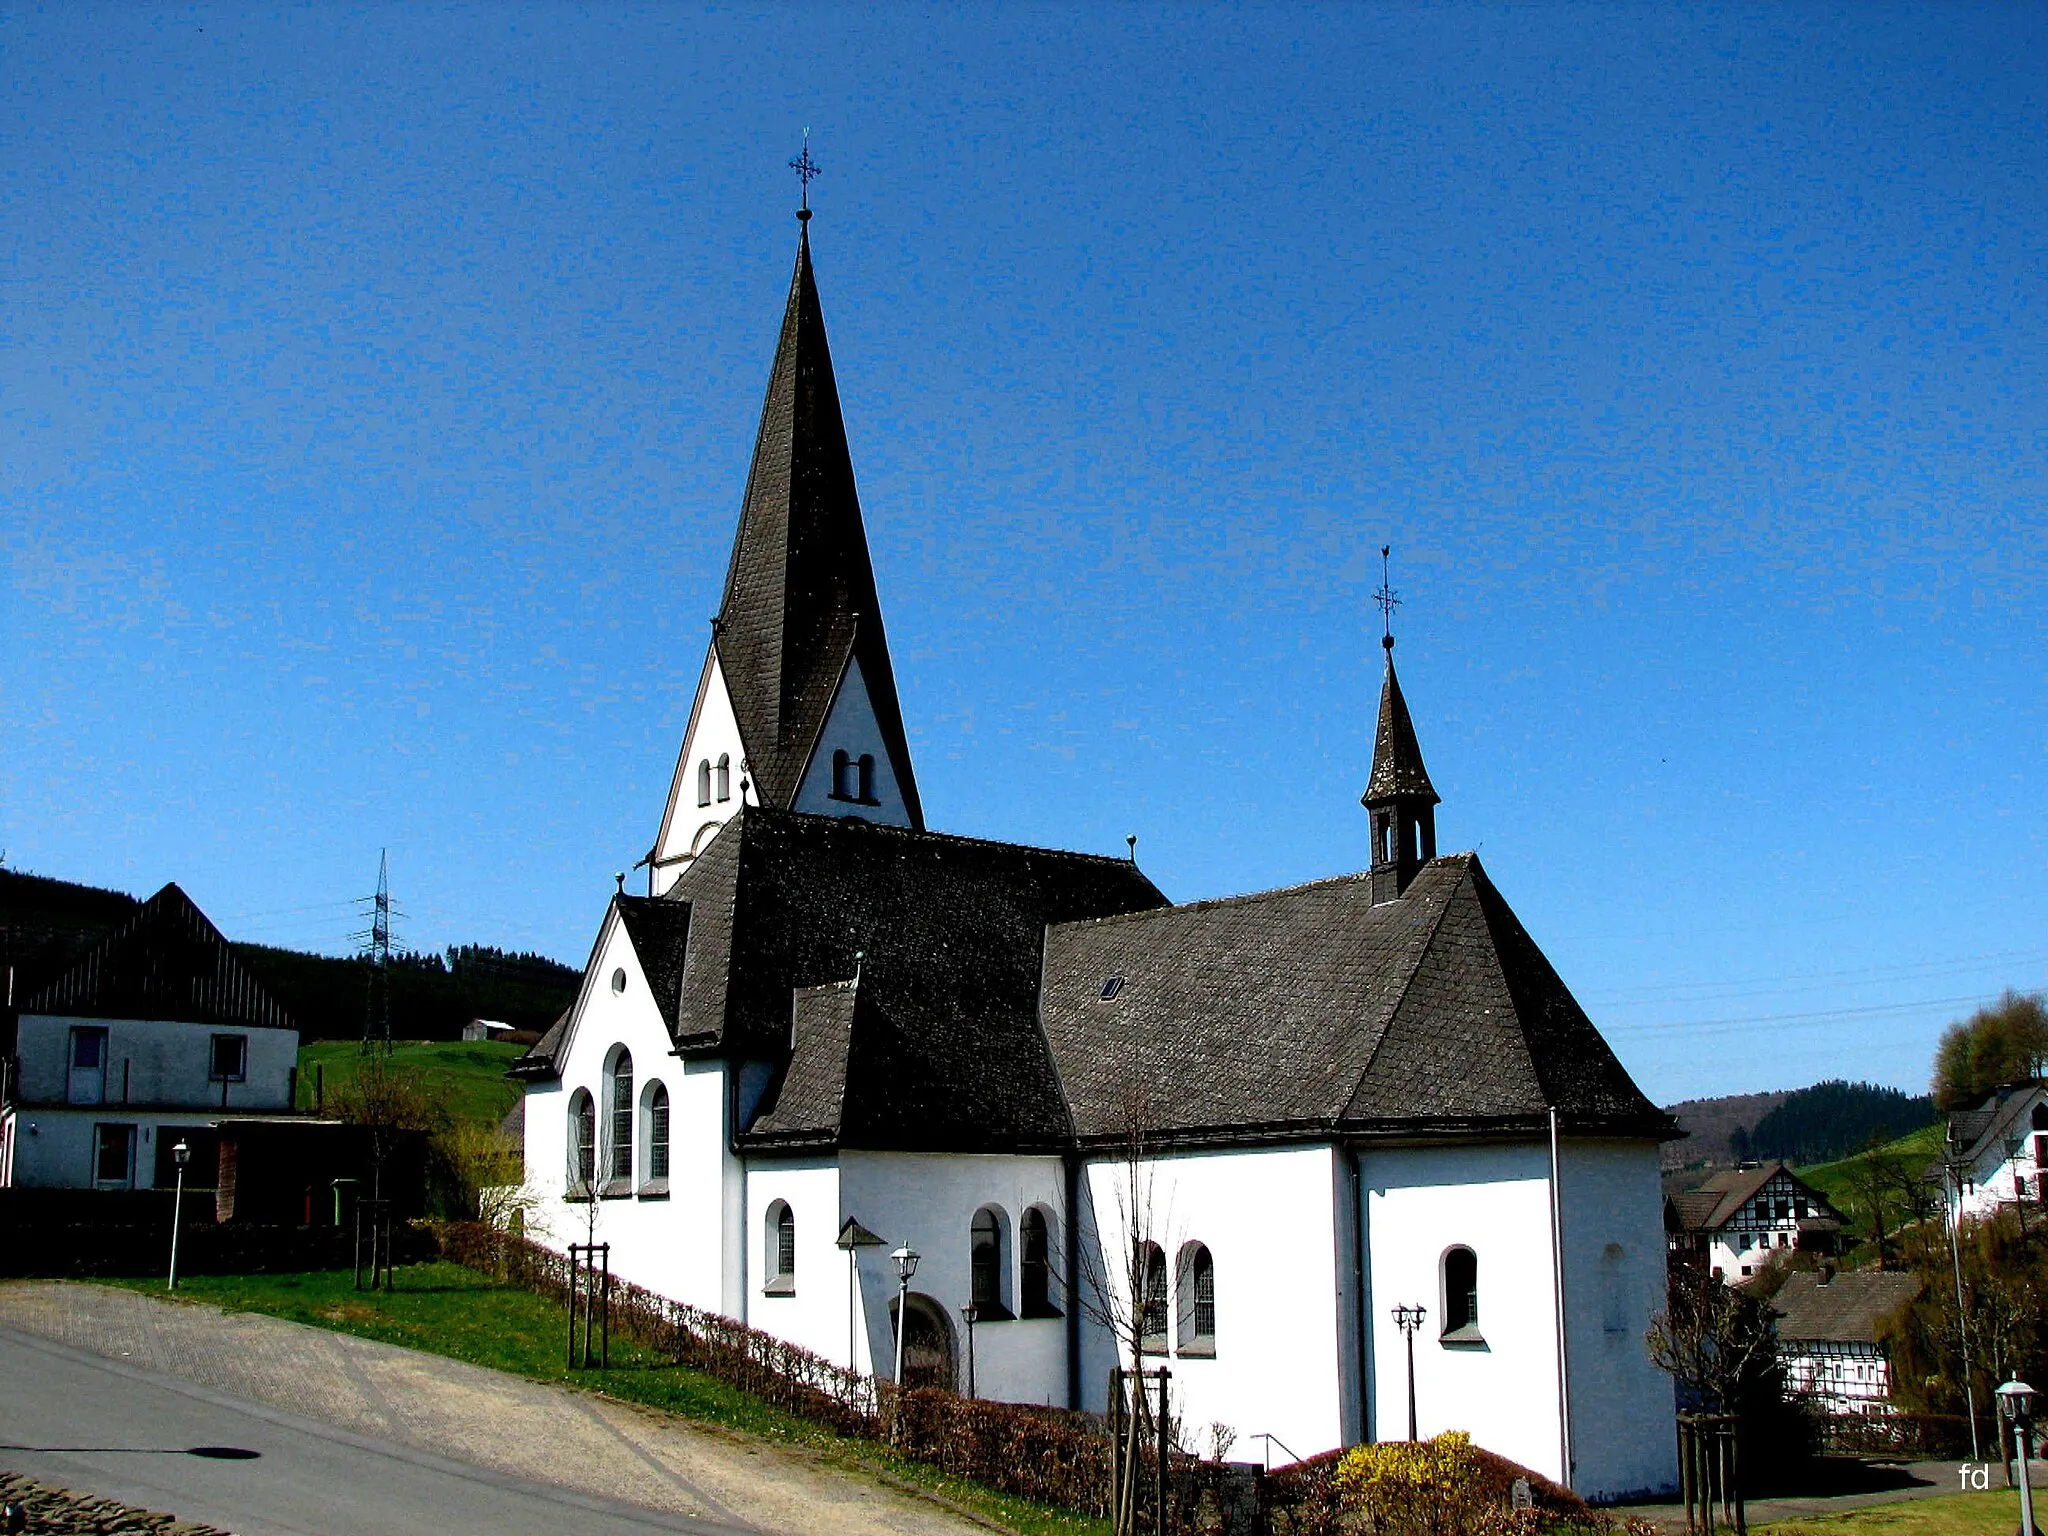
[(1312, 1010), (166, 962), (2003, 1121), (800, 599), (1848, 1308), (1397, 771), (659, 931)]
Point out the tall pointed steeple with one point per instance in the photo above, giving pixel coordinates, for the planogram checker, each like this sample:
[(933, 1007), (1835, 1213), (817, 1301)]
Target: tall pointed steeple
[(797, 708), (800, 602), (1399, 795)]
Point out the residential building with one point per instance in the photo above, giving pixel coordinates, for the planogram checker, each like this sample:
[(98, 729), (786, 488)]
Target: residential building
[(1735, 1220), (1997, 1154), (1831, 1335), (155, 1035)]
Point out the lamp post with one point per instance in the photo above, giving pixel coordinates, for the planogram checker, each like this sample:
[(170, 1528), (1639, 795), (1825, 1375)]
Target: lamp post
[(905, 1259), (969, 1313), (2017, 1399), (181, 1155), (1409, 1318)]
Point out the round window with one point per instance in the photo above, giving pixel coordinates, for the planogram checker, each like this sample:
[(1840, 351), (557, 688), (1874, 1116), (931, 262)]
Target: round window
[(619, 980)]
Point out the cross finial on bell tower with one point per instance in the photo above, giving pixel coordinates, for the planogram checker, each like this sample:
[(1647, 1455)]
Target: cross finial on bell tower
[(1387, 598), (807, 171)]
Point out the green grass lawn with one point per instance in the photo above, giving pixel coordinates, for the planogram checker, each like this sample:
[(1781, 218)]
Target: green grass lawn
[(1957, 1514), (1837, 1180), (468, 1076), (444, 1309)]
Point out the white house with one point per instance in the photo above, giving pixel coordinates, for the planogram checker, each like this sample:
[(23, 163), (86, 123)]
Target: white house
[(155, 1034), (1997, 1153), (1735, 1220), (1830, 1335), (1249, 1128)]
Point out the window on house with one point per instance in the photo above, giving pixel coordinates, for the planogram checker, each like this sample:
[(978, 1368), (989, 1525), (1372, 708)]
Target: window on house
[(619, 1166), (1613, 1317), (866, 779), (230, 1059), (88, 1049), (721, 777), (1034, 1244), (704, 782), (1194, 1290), (113, 1164), (843, 785), (582, 1142), (779, 1234), (985, 1263), (657, 1133), (1461, 1296), (1150, 1271)]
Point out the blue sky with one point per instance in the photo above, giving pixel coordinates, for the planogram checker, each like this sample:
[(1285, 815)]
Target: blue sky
[(377, 385)]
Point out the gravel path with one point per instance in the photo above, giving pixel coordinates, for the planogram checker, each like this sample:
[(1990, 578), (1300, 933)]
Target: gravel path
[(503, 1423)]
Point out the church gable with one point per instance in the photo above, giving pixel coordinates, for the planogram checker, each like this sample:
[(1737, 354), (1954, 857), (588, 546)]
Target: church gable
[(851, 772), (710, 780)]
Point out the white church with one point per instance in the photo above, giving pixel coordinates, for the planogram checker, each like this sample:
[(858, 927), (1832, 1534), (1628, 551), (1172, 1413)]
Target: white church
[(827, 1032)]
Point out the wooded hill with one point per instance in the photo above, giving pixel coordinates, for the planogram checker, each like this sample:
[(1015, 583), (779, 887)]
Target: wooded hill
[(45, 924), (1817, 1124)]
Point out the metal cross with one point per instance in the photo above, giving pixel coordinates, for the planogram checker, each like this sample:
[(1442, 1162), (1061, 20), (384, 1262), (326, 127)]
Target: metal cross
[(1386, 597), (807, 171)]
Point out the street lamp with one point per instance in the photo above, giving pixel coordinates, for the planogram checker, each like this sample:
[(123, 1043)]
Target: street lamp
[(2017, 1399), (181, 1155), (905, 1259), (970, 1312), (1408, 1319)]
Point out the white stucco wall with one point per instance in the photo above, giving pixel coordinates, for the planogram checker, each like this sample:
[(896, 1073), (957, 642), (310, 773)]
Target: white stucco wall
[(851, 728), (1495, 1200), (1623, 1410), (54, 1148), (814, 1312), (685, 825), (1269, 1219), (167, 1063), (928, 1202), (669, 1243)]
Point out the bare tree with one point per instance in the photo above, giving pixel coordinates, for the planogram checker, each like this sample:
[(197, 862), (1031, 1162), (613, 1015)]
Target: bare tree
[(1716, 1340)]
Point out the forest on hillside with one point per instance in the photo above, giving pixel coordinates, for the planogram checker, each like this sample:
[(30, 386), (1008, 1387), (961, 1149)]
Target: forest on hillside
[(1816, 1124)]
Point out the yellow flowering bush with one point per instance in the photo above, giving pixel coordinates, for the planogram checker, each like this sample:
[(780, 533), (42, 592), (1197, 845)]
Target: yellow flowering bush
[(1418, 1488)]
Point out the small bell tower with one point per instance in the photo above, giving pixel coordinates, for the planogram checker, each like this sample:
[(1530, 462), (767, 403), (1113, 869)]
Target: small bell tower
[(1399, 796)]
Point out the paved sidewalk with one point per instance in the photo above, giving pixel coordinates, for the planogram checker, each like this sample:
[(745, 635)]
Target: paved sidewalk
[(1890, 1482), (503, 1423)]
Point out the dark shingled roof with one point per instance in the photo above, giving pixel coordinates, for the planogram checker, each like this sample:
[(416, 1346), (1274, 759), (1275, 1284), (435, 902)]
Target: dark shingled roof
[(1848, 1308), (165, 962), (800, 596), (658, 931), (1397, 771), (1311, 1010)]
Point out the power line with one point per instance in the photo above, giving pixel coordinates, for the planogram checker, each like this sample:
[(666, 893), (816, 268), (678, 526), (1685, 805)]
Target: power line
[(1803, 1020), (1758, 986)]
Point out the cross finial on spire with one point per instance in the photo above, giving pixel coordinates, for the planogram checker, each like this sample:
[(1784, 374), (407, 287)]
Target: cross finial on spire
[(1387, 598), (807, 171)]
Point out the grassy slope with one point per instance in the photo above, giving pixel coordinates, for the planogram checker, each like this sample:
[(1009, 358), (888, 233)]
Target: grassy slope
[(469, 1076), (1837, 1180), (443, 1309), (1955, 1514)]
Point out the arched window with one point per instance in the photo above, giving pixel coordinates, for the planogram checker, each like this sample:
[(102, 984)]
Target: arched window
[(721, 777), (867, 779), (1461, 1297), (842, 776), (779, 1245), (1034, 1255), (657, 1133), (1151, 1272), (1195, 1298), (704, 782), (987, 1270), (582, 1142), (619, 1165)]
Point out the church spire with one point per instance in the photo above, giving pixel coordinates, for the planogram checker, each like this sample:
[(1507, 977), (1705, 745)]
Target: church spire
[(1399, 795)]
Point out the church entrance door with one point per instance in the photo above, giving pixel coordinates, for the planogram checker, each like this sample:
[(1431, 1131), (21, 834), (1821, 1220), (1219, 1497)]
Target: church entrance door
[(927, 1345)]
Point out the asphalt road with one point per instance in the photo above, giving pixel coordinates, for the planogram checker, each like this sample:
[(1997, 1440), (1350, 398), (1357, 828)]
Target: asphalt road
[(100, 1426)]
